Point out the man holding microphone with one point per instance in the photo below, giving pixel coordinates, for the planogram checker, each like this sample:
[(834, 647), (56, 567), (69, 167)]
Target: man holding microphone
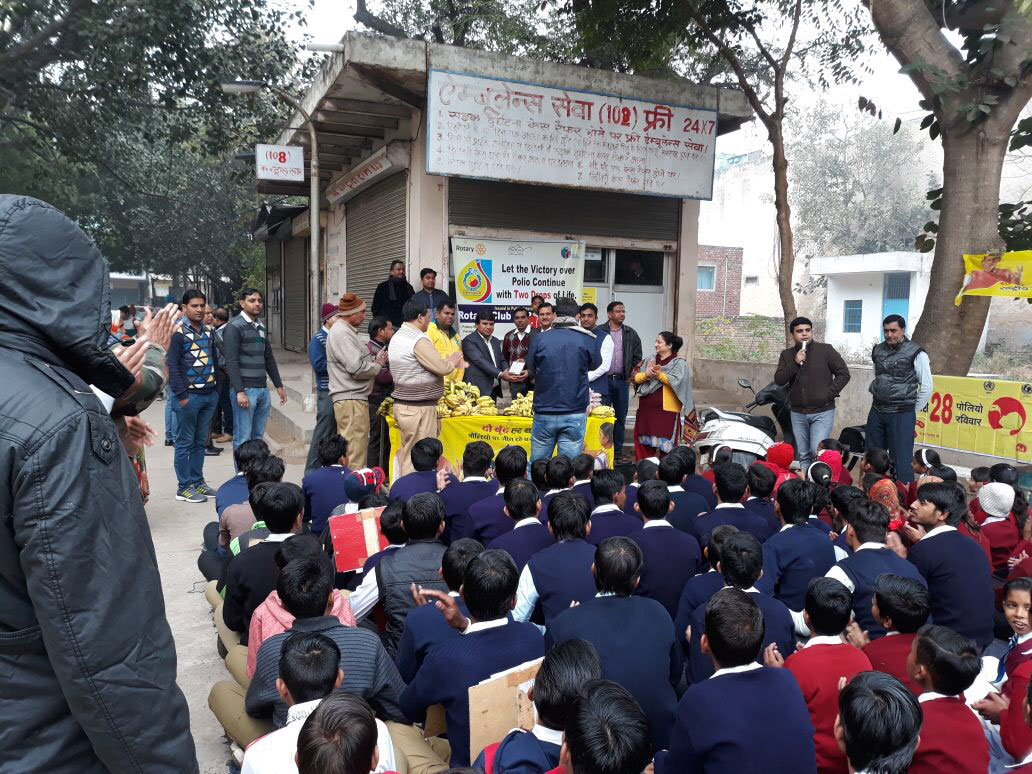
[(815, 374)]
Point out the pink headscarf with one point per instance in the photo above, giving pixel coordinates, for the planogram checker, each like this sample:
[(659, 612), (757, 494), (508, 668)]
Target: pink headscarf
[(833, 460)]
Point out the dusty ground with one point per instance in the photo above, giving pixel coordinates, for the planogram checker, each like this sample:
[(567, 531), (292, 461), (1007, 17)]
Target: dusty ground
[(176, 527)]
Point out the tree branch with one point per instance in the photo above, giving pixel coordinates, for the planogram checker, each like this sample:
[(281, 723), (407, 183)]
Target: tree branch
[(796, 15), (374, 22)]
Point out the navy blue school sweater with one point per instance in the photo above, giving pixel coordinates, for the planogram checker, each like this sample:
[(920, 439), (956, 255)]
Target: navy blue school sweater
[(230, 493), (697, 592), (524, 541), (457, 499), (324, 489), (584, 490), (487, 520), (519, 752), (454, 665), (762, 506), (791, 558), (670, 559), (611, 523), (562, 573), (862, 568), (687, 507), (734, 514), (635, 640), (741, 722), (816, 523), (959, 583), (778, 627), (425, 627), (696, 484), (416, 483), (632, 498)]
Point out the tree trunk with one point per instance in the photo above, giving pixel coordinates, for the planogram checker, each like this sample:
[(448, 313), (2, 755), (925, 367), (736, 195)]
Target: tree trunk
[(968, 223), (784, 220)]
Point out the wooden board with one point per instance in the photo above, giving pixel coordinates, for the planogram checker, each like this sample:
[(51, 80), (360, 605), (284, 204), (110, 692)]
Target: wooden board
[(499, 704)]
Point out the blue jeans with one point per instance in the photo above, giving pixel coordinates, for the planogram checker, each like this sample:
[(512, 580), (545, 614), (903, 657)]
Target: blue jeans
[(894, 432), (619, 395), (809, 430), (194, 425), (171, 419), (564, 430), (250, 422)]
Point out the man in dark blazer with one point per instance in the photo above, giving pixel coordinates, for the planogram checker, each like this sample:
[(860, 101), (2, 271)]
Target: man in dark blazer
[(474, 487), (487, 367), (671, 556), (634, 636), (528, 535)]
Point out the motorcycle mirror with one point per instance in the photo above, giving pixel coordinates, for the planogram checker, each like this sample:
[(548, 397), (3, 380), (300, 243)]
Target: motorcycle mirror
[(745, 384)]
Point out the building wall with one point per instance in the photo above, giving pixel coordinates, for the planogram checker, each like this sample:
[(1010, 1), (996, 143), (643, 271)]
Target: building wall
[(725, 298), (868, 288)]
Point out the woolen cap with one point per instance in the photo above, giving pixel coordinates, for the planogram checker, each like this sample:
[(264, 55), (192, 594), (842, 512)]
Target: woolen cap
[(996, 499), (328, 311), (350, 304)]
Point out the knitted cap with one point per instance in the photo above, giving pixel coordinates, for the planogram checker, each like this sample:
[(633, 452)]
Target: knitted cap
[(996, 499), (328, 310), (350, 304)]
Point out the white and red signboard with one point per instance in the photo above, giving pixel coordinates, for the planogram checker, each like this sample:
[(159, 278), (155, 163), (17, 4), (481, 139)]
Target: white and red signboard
[(280, 162), (505, 130)]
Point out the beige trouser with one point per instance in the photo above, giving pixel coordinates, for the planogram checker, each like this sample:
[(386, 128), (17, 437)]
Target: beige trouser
[(414, 423), (353, 423), (228, 636), (236, 663), (423, 756), (212, 595), (226, 701)]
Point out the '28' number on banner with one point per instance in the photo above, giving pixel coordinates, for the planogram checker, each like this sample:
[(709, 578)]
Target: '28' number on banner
[(942, 408)]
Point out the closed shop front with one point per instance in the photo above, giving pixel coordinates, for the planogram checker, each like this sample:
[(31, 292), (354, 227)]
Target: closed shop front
[(295, 294), (374, 236)]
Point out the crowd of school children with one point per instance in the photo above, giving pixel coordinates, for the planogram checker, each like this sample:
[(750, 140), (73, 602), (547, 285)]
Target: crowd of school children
[(709, 618)]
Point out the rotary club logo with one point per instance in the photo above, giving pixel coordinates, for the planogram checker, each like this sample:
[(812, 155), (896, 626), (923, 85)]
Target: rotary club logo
[(475, 281)]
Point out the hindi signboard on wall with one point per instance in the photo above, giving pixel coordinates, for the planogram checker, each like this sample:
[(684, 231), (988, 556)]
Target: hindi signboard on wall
[(499, 275), (506, 130), (280, 162)]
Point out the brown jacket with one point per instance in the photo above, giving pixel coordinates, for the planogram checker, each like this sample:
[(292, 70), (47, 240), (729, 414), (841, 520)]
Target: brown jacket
[(815, 384)]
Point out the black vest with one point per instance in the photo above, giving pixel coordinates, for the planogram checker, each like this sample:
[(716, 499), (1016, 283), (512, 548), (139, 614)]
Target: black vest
[(418, 561), (895, 384)]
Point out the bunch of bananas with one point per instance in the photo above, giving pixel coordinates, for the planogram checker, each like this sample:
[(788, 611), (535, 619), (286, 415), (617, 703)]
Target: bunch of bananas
[(386, 408), (605, 412), (521, 406), (464, 400)]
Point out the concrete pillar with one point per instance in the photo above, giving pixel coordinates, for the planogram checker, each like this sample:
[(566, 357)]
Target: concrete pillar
[(686, 268), (427, 216)]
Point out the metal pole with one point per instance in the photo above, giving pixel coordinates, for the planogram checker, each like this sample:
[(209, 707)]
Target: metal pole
[(315, 303)]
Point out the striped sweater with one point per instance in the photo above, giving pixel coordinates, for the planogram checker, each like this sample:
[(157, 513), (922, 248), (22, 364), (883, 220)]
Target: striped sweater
[(248, 355)]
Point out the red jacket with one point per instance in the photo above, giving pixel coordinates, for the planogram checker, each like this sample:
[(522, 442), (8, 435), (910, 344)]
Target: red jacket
[(978, 537), (888, 654), (951, 738), (1015, 734), (1003, 537), (817, 668)]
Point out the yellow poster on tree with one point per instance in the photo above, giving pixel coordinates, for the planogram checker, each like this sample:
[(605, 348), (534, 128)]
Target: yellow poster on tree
[(498, 432), (985, 416), (1006, 275)]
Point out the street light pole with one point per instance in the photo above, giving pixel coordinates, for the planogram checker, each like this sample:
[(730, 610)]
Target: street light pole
[(251, 87)]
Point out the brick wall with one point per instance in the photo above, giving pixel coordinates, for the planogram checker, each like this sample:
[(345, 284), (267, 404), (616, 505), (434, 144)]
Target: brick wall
[(725, 298)]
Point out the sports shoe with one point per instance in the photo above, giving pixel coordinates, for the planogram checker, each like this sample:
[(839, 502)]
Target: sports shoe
[(190, 495), (212, 451), (203, 489)]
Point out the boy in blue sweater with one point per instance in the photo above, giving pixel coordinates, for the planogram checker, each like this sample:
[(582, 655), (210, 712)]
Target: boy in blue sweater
[(491, 642), (528, 535), (730, 482), (758, 496), (745, 717), (798, 552), (333, 484), (698, 590), (606, 732)]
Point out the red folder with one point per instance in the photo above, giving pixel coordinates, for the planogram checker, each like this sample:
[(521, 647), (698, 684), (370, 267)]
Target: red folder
[(356, 537)]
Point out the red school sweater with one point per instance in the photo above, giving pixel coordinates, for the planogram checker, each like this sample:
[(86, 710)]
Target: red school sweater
[(818, 668), (1003, 538), (888, 654), (1015, 734), (951, 738)]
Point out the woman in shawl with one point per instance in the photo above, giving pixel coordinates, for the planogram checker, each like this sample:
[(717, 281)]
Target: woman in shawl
[(664, 387), (884, 492)]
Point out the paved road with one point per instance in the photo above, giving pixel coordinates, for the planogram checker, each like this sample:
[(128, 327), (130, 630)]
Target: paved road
[(177, 527)]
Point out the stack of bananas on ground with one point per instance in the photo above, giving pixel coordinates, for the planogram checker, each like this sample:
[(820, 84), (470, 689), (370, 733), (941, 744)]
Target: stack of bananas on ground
[(521, 406), (386, 408), (606, 412), (464, 400)]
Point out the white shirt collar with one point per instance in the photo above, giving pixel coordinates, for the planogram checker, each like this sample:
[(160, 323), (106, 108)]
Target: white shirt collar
[(635, 484), (548, 735), (279, 538), (501, 490), (1024, 638), (750, 590), (932, 696), (995, 519), (730, 505), (605, 594), (480, 626), (871, 545), (526, 522), (735, 670), (675, 488), (787, 526), (247, 317), (301, 711), (582, 481), (823, 639), (551, 492), (939, 530), (475, 478), (607, 508), (657, 523), (1022, 762), (454, 594), (325, 329)]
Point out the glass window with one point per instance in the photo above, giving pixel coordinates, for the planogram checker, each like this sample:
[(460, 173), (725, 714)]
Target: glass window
[(852, 315), (596, 264), (752, 280), (706, 278), (639, 267)]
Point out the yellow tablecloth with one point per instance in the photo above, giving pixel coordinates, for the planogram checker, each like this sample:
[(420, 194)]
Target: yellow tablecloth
[(498, 432)]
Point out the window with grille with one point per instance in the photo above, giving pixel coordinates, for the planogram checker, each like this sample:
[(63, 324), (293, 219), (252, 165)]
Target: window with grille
[(706, 278), (852, 315), (897, 286)]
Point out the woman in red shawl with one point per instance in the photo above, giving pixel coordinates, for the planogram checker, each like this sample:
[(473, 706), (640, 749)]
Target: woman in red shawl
[(884, 491)]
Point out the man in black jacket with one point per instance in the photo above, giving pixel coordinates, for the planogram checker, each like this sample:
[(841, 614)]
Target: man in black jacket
[(87, 661), (392, 293), (816, 374)]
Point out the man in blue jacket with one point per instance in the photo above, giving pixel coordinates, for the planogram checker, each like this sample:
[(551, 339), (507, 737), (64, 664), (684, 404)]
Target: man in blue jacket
[(558, 363)]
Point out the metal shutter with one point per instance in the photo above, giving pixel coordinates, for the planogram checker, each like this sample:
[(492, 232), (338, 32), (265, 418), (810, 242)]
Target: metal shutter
[(561, 210), (374, 229), (295, 295)]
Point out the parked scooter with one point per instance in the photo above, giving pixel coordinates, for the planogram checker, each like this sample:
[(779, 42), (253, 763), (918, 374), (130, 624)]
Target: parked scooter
[(746, 434)]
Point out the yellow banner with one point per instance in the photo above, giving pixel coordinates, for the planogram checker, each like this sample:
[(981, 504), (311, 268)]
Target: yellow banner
[(1006, 275), (978, 415), (498, 432)]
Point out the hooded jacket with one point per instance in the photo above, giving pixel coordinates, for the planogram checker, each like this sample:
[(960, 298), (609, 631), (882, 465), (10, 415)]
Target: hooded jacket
[(87, 661), (558, 361)]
